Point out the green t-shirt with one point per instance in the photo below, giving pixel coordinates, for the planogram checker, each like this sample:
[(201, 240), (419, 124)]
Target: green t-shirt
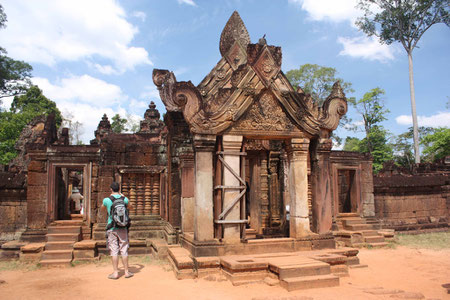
[(108, 203)]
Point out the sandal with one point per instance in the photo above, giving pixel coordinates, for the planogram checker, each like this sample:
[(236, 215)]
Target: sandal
[(129, 275), (111, 276)]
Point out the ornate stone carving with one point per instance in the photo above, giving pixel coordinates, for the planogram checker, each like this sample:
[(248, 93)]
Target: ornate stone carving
[(151, 122), (234, 31), (103, 129), (266, 67), (265, 115), (225, 100), (334, 107)]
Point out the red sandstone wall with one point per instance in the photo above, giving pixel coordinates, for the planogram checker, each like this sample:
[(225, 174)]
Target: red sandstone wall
[(413, 202), (13, 205)]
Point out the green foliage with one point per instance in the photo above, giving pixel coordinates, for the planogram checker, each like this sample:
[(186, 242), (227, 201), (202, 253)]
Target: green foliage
[(118, 124), (23, 110), (14, 74), (403, 21), (372, 110), (381, 150), (403, 146), (437, 144), (316, 80), (352, 144)]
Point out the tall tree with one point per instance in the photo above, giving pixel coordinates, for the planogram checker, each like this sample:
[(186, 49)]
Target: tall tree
[(118, 123), (76, 128), (23, 110), (403, 21), (317, 81), (404, 144), (14, 74), (372, 109)]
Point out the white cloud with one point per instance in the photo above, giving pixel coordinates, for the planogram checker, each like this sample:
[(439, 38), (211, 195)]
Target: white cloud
[(366, 48), (85, 89), (189, 2), (49, 32), (441, 119), (332, 10), (150, 93), (140, 15)]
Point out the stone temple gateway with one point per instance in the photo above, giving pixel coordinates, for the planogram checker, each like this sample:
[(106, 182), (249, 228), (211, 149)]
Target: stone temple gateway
[(241, 165), (257, 146)]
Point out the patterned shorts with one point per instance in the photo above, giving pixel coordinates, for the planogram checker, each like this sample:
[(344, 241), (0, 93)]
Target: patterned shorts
[(117, 241)]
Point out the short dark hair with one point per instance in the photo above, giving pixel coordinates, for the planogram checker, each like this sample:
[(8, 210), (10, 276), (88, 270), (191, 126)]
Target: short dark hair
[(115, 186)]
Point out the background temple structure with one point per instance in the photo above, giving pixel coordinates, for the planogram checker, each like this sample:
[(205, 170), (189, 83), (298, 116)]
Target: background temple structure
[(241, 164)]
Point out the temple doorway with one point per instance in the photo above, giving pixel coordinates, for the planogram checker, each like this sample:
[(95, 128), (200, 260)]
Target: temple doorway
[(265, 204), (347, 191), (69, 191)]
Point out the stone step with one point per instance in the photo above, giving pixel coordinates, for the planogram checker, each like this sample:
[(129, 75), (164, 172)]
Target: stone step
[(55, 262), (353, 221), (347, 215), (377, 245), (374, 239), (59, 245), (359, 227), (367, 233), (301, 270), (250, 233), (64, 229), (56, 254), (61, 237), (67, 223), (76, 217), (309, 282)]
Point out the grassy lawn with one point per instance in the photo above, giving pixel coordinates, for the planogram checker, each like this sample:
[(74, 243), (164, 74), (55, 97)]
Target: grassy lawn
[(436, 240)]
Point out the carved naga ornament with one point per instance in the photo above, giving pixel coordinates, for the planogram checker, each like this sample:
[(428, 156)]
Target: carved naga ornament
[(247, 77)]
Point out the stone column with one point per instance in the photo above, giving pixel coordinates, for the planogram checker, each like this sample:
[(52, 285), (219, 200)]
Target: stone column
[(187, 191), (298, 187), (232, 143), (203, 214), (321, 204)]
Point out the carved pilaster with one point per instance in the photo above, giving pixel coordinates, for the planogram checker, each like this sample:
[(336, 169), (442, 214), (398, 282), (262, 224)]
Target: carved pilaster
[(320, 174), (298, 187), (275, 195), (231, 144), (203, 214), (264, 193)]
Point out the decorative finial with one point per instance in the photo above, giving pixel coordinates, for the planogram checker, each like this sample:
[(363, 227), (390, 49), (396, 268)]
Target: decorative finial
[(233, 31)]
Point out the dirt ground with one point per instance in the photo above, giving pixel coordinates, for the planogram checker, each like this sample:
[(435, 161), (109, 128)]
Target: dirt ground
[(403, 273)]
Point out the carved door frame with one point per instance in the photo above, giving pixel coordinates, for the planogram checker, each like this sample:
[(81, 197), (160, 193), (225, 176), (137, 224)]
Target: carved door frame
[(357, 188)]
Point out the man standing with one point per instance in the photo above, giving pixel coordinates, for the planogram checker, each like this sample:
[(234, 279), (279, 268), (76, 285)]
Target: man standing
[(117, 237)]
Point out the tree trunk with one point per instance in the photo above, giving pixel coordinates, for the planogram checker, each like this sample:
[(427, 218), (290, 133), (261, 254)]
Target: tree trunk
[(413, 110)]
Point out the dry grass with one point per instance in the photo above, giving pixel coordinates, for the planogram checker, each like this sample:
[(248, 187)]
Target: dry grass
[(435, 241)]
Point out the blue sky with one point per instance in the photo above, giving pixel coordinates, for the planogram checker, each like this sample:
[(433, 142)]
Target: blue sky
[(95, 57)]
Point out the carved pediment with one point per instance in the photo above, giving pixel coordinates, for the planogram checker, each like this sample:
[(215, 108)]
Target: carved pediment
[(265, 117), (247, 93)]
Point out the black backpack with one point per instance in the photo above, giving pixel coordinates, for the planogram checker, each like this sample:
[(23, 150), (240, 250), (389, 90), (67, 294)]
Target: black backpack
[(119, 214)]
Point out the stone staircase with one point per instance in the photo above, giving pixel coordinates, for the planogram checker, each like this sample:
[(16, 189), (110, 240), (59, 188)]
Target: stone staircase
[(301, 273), (354, 231), (290, 270), (61, 236)]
